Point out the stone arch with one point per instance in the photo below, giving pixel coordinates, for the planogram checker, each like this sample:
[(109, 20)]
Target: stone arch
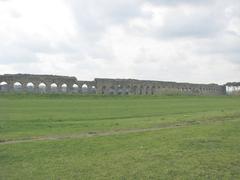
[(200, 89), (147, 90), (3, 86), (134, 90), (84, 88), (42, 87), (119, 89), (127, 90), (153, 90), (64, 88), (17, 86), (53, 88), (141, 90), (30, 87), (75, 88), (112, 90), (103, 90), (93, 89)]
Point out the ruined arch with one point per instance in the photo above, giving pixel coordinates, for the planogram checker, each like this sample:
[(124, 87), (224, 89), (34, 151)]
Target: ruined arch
[(93, 89), (147, 90), (30, 87), (53, 87), (119, 89), (3, 86), (42, 87), (84, 88), (75, 88), (112, 90), (153, 90), (17, 86), (103, 90), (134, 90), (127, 90), (64, 88), (141, 90)]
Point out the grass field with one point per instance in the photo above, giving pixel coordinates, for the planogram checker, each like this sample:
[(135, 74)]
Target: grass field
[(134, 137)]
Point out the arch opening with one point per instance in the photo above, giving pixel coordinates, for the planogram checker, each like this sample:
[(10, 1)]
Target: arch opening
[(54, 88), (3, 86), (147, 90), (75, 88), (141, 90), (17, 86), (84, 88), (153, 90), (64, 88), (42, 87), (127, 90), (112, 90), (119, 89), (30, 87), (93, 89), (134, 90), (103, 89)]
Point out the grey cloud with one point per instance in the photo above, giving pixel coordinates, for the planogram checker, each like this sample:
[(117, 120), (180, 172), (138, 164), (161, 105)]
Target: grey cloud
[(226, 46), (16, 55), (178, 2), (208, 21), (199, 26), (15, 14), (94, 17), (88, 51), (204, 22), (103, 11)]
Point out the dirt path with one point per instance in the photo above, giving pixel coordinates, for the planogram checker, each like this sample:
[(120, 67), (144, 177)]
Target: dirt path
[(116, 132)]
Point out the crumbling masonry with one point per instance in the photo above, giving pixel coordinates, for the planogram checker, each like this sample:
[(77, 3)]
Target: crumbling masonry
[(66, 84)]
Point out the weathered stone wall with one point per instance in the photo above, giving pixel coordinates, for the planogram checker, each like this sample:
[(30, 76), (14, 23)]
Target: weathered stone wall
[(140, 87), (49, 83), (60, 84)]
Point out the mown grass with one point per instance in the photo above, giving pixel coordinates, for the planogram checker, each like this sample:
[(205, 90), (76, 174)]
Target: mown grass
[(208, 148)]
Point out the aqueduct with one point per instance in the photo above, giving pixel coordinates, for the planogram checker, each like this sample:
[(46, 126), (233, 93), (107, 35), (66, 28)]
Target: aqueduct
[(66, 84)]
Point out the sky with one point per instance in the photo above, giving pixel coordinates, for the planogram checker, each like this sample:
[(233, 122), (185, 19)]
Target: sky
[(165, 40)]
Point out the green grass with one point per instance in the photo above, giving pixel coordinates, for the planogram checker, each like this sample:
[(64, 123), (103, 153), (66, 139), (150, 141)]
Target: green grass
[(134, 137)]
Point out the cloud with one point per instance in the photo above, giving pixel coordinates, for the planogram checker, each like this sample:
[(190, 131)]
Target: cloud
[(180, 2), (196, 41), (179, 22)]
